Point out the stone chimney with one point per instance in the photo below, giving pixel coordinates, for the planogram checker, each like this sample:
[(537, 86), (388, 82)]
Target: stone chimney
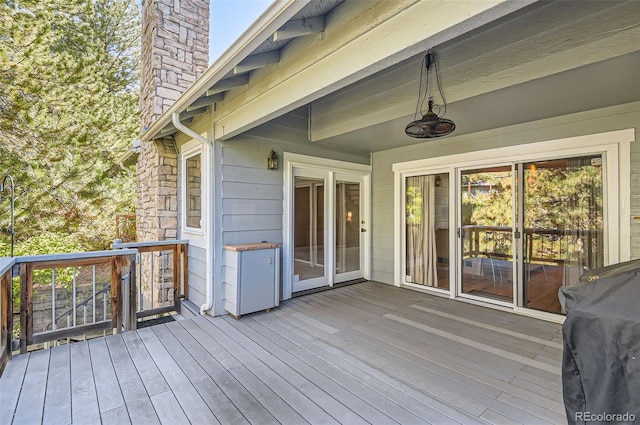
[(174, 52)]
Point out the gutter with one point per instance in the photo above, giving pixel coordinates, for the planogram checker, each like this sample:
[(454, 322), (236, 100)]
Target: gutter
[(208, 305), (279, 13)]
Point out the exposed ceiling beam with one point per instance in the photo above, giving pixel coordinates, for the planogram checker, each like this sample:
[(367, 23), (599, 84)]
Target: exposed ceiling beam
[(205, 101), (192, 113), (299, 27), (399, 30), (257, 61), (228, 84), (170, 129)]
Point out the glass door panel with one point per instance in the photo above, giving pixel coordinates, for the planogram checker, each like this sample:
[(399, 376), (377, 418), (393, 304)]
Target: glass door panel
[(486, 206), (308, 233), (427, 230), (563, 221), (347, 227)]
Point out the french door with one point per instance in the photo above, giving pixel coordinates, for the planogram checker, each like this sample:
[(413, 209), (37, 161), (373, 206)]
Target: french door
[(329, 225), (526, 229)]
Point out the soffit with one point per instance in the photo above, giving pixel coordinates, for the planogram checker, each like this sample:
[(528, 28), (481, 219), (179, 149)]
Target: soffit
[(551, 59), (308, 20)]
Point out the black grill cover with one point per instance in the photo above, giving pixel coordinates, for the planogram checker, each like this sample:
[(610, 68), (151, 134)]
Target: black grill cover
[(601, 359)]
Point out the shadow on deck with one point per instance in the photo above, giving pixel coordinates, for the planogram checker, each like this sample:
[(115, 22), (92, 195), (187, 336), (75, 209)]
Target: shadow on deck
[(367, 353)]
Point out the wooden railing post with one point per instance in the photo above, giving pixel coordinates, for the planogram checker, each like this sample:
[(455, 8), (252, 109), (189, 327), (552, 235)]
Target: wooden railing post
[(26, 306), (133, 294), (6, 320), (184, 250), (176, 277), (116, 293)]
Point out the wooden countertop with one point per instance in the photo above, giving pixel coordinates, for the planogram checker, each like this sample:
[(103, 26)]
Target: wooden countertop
[(252, 246)]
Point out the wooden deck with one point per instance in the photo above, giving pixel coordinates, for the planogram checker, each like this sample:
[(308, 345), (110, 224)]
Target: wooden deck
[(366, 353)]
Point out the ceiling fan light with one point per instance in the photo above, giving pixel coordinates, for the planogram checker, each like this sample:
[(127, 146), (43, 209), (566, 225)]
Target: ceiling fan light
[(430, 126)]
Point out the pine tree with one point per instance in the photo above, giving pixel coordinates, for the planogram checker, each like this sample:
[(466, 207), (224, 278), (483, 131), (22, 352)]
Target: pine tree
[(68, 110)]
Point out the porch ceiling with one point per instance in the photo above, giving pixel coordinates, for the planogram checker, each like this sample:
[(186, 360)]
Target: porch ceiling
[(549, 59)]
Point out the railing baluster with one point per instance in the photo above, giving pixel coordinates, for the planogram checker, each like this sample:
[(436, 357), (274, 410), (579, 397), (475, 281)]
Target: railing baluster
[(162, 257), (152, 277), (53, 299), (93, 293), (139, 283), (74, 297)]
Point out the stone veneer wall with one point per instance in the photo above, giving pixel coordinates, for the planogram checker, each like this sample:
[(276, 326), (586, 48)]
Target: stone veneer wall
[(175, 46)]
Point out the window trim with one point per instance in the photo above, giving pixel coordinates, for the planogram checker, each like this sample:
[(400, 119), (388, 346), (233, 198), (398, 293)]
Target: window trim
[(615, 147), (189, 151)]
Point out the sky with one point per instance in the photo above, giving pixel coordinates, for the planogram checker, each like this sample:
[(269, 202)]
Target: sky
[(229, 19)]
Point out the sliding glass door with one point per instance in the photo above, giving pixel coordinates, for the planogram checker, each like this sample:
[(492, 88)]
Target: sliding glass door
[(563, 218), (427, 230), (309, 240), (328, 227), (528, 228), (486, 233)]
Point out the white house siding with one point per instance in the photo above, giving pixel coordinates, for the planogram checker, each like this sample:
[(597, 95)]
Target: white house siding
[(590, 122), (197, 273), (252, 196)]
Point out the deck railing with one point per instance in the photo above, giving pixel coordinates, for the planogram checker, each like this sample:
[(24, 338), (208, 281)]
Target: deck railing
[(6, 310), (57, 293), (79, 295), (160, 279), (544, 246)]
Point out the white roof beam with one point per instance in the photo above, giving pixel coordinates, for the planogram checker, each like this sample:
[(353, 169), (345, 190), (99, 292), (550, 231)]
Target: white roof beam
[(205, 101), (392, 31), (257, 61), (299, 27), (170, 128), (192, 113), (228, 84)]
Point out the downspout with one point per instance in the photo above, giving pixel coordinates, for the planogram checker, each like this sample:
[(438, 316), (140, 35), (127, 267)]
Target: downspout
[(208, 305)]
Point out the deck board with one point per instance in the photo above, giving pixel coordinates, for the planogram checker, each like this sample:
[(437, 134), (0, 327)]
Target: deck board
[(185, 393), (31, 404), (57, 406), (84, 399), (104, 375), (135, 396), (366, 353)]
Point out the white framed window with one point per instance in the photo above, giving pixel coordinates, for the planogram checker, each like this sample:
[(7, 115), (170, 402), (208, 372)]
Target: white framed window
[(193, 188), (509, 255)]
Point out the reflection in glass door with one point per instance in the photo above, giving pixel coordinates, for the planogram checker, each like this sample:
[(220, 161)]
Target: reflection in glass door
[(348, 220), (308, 232), (563, 221), (328, 227), (486, 204), (427, 230)]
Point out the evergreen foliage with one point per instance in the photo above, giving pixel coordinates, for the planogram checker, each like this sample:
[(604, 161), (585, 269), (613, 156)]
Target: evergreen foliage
[(68, 111)]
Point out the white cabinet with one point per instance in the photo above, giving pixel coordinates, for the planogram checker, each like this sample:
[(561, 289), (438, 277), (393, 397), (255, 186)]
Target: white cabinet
[(251, 277)]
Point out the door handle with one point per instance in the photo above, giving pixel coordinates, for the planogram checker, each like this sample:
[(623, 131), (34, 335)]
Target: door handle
[(363, 230)]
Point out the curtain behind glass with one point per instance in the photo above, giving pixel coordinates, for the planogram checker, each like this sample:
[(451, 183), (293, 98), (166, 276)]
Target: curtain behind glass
[(421, 235)]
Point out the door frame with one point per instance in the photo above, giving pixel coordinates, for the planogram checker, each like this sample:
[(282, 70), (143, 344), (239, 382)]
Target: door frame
[(459, 271), (615, 147), (332, 167)]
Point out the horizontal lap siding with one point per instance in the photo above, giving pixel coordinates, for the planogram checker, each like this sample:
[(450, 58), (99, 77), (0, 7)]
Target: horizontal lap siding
[(252, 196), (591, 122), (197, 273)]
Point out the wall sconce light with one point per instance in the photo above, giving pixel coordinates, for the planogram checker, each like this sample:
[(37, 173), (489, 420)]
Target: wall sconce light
[(272, 161), (438, 181), (349, 216)]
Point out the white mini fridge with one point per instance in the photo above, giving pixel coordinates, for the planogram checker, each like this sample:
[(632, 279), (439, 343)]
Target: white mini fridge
[(251, 277)]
